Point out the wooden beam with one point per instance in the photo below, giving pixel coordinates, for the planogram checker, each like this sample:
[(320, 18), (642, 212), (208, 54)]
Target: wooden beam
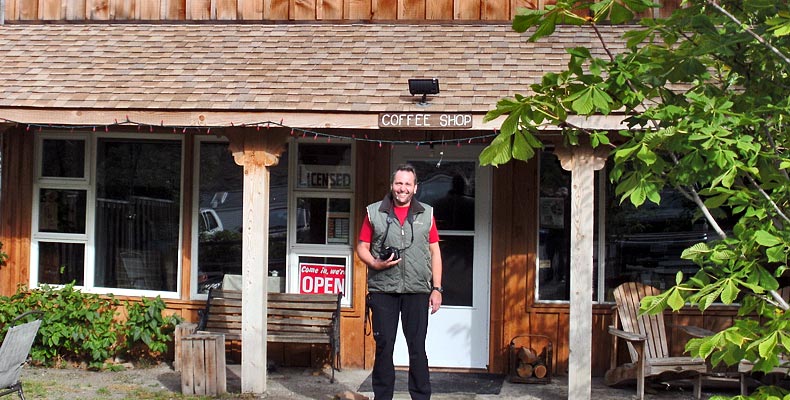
[(305, 120), (255, 153), (582, 162)]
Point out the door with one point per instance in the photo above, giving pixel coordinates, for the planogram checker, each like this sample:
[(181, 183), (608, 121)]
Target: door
[(459, 189)]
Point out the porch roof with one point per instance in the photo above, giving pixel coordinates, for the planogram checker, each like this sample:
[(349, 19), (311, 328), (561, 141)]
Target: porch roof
[(213, 74)]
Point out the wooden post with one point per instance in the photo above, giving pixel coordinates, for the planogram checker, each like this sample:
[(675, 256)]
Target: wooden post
[(582, 162), (203, 365), (255, 151)]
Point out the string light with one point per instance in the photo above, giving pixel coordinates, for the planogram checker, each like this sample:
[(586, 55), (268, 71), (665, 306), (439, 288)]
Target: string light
[(126, 122)]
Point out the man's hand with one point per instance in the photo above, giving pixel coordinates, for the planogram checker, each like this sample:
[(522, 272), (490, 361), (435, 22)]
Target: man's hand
[(435, 301), (363, 251), (379, 265)]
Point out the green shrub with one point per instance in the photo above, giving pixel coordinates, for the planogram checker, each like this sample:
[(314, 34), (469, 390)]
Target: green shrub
[(79, 327), (3, 256), (146, 332)]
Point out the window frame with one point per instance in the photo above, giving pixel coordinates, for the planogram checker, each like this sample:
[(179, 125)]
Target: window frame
[(339, 250), (88, 183)]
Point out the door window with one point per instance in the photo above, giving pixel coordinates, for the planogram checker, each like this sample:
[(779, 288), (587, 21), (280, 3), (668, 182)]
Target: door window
[(450, 189)]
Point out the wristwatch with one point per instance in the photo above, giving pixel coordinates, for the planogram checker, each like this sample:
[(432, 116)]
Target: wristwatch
[(438, 289)]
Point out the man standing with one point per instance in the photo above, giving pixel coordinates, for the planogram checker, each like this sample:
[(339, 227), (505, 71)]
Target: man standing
[(399, 243)]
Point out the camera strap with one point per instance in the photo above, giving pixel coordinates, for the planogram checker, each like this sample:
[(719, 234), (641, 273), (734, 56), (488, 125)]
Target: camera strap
[(387, 231)]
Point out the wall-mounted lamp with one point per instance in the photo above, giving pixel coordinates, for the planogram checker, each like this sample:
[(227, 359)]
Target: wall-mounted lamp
[(424, 87)]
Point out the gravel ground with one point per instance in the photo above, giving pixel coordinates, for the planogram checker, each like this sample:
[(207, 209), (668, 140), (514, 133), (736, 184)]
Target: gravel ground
[(162, 382)]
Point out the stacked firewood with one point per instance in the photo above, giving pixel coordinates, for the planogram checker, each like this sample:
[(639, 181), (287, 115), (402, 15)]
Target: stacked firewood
[(530, 364)]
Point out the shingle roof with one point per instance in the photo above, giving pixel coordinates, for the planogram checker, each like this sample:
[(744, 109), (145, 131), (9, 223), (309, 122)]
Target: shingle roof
[(360, 68)]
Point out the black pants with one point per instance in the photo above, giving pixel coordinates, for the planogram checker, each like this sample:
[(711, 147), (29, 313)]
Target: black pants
[(413, 312)]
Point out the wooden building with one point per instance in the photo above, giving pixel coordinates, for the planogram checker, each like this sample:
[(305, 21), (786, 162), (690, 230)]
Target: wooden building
[(132, 132)]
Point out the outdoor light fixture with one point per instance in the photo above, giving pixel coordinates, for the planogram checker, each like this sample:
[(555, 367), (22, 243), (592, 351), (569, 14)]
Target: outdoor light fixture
[(423, 87)]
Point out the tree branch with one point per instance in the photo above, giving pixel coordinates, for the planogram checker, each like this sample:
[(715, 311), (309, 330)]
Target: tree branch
[(750, 32), (692, 194), (767, 197)]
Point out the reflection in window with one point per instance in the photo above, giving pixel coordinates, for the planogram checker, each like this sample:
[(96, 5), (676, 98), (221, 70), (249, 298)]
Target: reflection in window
[(322, 221), (641, 244), (61, 210), (220, 215), (63, 158), (645, 243), (138, 191), (450, 189), (61, 263), (554, 232), (457, 258)]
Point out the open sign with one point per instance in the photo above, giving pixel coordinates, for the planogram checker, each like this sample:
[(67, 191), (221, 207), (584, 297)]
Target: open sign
[(321, 278)]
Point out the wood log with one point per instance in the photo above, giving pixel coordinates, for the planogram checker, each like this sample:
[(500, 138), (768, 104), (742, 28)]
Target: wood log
[(524, 370), (527, 355), (539, 370)]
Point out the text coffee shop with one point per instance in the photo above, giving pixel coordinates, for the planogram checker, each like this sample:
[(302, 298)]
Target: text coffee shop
[(124, 188)]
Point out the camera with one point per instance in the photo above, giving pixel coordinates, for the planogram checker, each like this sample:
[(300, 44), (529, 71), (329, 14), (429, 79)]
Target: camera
[(386, 252)]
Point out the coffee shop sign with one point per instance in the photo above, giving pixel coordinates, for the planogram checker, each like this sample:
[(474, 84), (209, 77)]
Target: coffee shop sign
[(425, 120)]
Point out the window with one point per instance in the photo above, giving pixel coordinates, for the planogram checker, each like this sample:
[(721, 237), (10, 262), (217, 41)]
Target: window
[(128, 238), (138, 203), (60, 219), (320, 251), (640, 244), (219, 218)]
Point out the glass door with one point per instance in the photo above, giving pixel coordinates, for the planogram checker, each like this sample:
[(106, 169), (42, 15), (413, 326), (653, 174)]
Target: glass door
[(459, 190)]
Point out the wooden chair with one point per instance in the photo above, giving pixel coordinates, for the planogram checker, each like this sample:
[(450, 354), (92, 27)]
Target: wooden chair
[(646, 337), (13, 355), (745, 367)]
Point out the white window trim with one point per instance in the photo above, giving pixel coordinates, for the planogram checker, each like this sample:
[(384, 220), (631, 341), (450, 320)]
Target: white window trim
[(89, 184), (295, 250)]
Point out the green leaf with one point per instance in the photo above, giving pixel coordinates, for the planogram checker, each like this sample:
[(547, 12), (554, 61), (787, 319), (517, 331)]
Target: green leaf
[(637, 197), (582, 101), (647, 155), (620, 14), (767, 345), (522, 150), (675, 300), (766, 239), (498, 152), (776, 254), (730, 293), (545, 28), (528, 19)]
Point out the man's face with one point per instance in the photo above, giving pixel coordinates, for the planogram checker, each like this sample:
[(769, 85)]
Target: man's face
[(403, 188)]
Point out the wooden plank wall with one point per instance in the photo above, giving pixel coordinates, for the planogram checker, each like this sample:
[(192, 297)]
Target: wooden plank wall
[(260, 10), (277, 10), (16, 203)]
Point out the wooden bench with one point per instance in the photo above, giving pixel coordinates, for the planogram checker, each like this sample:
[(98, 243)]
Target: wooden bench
[(291, 318)]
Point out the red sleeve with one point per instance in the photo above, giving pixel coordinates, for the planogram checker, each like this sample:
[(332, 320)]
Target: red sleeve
[(366, 232), (433, 235)]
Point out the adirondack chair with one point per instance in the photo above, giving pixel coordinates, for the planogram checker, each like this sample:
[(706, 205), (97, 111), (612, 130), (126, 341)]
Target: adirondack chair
[(646, 338), (13, 354), (745, 367)]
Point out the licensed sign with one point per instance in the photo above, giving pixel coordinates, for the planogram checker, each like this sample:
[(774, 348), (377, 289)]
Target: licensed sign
[(325, 176), (321, 278), (425, 120)]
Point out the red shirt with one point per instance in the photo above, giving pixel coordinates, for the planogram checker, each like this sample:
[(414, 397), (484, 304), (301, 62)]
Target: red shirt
[(366, 232)]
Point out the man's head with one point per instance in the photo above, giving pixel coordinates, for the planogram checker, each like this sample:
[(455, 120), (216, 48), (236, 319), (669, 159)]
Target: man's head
[(404, 185)]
